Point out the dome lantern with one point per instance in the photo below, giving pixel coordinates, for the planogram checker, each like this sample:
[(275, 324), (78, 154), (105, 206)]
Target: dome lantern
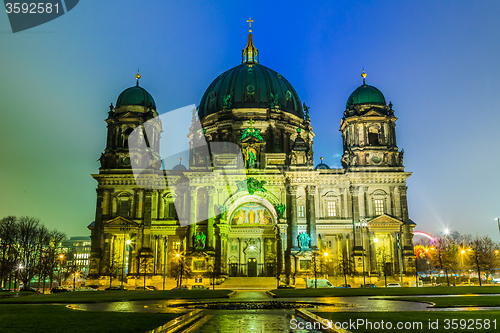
[(250, 52)]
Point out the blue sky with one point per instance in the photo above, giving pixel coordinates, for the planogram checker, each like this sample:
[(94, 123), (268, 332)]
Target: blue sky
[(436, 61)]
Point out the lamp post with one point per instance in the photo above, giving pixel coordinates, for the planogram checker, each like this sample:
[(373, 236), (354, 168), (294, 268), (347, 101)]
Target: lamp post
[(363, 225), (75, 274), (164, 261), (498, 221), (178, 256), (61, 258), (124, 254)]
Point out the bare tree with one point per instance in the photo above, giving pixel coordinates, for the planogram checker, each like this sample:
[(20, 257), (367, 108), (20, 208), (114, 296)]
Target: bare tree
[(30, 234), (483, 255), (114, 267), (444, 254), (145, 266), (8, 248)]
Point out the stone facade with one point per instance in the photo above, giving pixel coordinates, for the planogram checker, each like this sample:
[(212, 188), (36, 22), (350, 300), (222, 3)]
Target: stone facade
[(250, 202)]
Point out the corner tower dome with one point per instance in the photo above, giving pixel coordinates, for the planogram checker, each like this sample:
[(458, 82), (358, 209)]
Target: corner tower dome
[(365, 94), (250, 85), (136, 96)]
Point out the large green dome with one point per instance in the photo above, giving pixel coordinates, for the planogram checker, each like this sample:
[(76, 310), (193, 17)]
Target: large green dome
[(250, 85), (366, 94), (136, 96)]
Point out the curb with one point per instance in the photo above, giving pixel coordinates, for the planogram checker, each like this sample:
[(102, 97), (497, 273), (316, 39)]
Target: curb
[(271, 294), (179, 324), (231, 294), (312, 318)]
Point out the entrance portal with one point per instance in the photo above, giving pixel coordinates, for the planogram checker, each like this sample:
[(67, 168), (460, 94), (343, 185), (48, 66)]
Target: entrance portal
[(233, 270), (252, 267)]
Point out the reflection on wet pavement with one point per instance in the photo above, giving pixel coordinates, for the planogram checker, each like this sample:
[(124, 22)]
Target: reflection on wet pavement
[(251, 322)]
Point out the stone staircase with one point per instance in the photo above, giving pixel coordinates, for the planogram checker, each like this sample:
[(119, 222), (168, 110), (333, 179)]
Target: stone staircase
[(255, 283)]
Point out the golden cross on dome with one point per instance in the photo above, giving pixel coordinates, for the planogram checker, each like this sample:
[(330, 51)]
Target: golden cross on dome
[(137, 76), (251, 122), (250, 24)]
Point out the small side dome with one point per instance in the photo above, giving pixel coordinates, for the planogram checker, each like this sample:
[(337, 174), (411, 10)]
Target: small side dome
[(365, 94), (322, 166), (136, 96), (179, 167)]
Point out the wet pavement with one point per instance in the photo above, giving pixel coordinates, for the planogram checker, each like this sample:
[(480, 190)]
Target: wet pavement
[(229, 318), (251, 322)]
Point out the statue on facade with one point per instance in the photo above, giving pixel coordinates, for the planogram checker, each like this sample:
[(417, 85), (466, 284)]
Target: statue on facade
[(222, 211), (251, 159), (306, 110), (227, 101), (280, 209), (352, 159), (304, 240), (275, 104), (199, 241)]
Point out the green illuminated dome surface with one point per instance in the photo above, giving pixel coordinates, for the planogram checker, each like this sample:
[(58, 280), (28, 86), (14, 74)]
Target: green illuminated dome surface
[(250, 85), (365, 94), (136, 96)]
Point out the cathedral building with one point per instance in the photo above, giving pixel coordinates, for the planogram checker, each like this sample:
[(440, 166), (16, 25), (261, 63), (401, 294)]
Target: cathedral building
[(250, 202)]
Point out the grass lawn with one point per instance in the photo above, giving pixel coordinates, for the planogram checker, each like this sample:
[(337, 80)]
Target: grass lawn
[(113, 296), (466, 321), (58, 318), (468, 300), (400, 291)]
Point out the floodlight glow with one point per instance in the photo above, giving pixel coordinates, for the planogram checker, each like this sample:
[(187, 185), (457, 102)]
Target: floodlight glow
[(128, 242)]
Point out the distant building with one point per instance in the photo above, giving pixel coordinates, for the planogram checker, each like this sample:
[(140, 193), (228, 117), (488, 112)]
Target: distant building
[(79, 248)]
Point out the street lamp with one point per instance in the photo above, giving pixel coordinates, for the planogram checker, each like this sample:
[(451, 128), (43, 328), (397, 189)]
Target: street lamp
[(498, 221), (127, 243), (181, 267), (75, 274), (61, 258), (164, 261), (363, 225)]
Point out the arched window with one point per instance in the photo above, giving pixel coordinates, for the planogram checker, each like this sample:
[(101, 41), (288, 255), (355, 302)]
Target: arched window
[(379, 202), (124, 205), (126, 134), (373, 136)]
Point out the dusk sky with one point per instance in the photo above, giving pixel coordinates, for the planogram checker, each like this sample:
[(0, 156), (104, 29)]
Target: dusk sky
[(437, 61)]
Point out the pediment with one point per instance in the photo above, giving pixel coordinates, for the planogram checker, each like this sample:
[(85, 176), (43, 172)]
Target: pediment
[(373, 113), (120, 222), (128, 115), (250, 140), (385, 220)]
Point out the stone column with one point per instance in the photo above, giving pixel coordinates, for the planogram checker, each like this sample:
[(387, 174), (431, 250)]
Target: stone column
[(361, 202), (292, 215), (241, 257), (192, 218), (161, 206), (311, 215), (211, 217)]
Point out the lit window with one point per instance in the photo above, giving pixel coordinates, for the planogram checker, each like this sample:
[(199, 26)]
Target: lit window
[(379, 207), (332, 210), (301, 211)]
